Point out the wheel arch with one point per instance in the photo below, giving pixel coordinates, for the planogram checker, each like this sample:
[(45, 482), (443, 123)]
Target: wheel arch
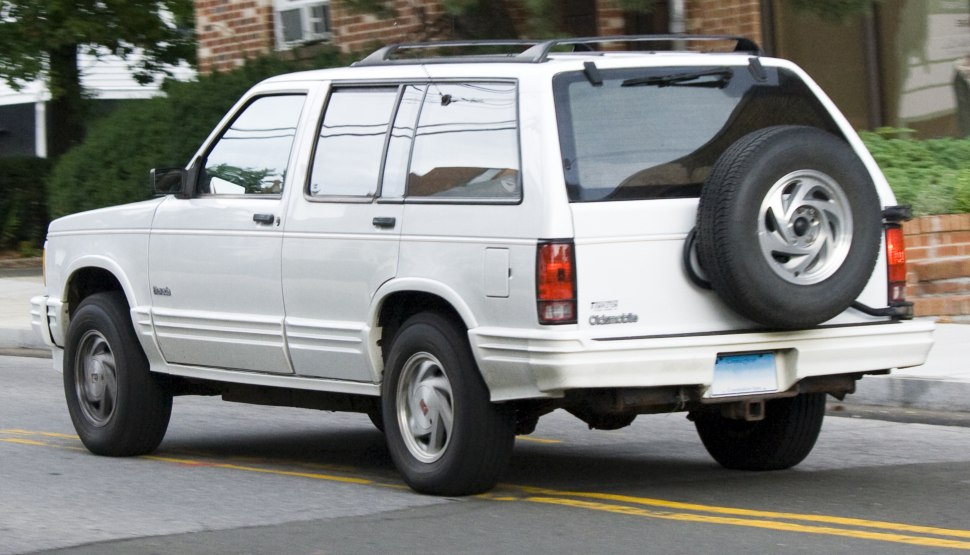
[(94, 274), (398, 300)]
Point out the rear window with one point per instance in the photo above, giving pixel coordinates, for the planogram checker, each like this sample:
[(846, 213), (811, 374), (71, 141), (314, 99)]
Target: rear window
[(649, 133)]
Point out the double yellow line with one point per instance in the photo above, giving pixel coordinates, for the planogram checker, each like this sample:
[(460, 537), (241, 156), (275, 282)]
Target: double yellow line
[(631, 506), (769, 520)]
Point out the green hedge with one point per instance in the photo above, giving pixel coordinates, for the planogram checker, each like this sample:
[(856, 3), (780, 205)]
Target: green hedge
[(111, 166), (932, 175), (23, 204)]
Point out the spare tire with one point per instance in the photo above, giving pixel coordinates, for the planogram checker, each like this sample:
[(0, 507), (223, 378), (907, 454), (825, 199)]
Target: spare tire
[(789, 226)]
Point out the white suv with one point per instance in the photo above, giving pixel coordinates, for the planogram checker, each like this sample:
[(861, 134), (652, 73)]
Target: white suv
[(459, 245)]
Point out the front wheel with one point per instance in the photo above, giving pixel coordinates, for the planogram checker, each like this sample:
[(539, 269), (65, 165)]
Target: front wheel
[(118, 407), (783, 439), (444, 434)]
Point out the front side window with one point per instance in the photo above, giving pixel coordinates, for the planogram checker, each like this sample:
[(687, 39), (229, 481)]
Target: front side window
[(648, 133), (466, 144), (251, 156), (350, 145)]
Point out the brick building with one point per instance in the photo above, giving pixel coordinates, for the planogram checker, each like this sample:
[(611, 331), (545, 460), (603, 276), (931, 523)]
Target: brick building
[(896, 65), (229, 31)]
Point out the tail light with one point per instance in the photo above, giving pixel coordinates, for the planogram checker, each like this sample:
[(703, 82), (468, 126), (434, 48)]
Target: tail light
[(556, 282), (896, 262)]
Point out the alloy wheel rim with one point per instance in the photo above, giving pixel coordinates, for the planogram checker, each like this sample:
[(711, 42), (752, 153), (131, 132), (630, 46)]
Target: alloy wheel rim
[(805, 227), (425, 407), (96, 378)]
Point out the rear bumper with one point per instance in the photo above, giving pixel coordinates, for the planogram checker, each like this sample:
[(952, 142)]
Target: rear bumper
[(544, 364)]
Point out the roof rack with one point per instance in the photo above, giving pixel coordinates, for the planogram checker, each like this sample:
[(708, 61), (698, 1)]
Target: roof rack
[(539, 50)]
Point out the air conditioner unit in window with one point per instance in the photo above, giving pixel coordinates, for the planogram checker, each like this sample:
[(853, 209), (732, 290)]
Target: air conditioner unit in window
[(301, 21)]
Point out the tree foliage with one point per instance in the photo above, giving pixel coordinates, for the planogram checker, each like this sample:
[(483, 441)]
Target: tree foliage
[(42, 39)]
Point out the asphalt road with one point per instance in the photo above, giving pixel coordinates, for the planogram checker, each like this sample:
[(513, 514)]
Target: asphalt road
[(246, 479)]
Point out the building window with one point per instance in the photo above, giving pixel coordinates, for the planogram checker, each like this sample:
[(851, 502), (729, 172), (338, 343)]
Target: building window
[(301, 21)]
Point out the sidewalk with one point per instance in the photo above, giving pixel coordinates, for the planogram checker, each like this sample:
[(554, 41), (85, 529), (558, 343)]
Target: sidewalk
[(943, 383)]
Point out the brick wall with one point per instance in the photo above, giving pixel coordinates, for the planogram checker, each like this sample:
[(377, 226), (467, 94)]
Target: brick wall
[(230, 31), (360, 32), (725, 17), (609, 18), (938, 263)]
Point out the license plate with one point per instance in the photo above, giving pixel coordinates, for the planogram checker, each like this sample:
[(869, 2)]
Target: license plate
[(744, 374)]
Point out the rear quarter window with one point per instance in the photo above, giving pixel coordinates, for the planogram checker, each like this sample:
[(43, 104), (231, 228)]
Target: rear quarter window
[(640, 135)]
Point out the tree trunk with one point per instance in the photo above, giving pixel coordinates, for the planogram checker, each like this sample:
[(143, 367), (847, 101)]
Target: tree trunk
[(65, 114)]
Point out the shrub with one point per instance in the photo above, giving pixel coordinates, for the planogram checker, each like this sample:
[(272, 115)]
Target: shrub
[(23, 203), (932, 175), (111, 166)]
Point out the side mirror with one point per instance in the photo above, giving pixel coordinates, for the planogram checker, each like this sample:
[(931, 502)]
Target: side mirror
[(175, 181), (168, 181)]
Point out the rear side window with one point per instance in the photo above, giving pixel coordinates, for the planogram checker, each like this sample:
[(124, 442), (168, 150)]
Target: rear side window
[(466, 144), (656, 132)]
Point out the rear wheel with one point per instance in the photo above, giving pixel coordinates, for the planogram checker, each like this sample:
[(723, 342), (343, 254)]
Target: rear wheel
[(118, 407), (444, 434), (783, 439)]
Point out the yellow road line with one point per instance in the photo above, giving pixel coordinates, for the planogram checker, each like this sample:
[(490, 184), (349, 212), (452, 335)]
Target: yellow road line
[(663, 503), (15, 431), (227, 466), (766, 524), (22, 441), (537, 439)]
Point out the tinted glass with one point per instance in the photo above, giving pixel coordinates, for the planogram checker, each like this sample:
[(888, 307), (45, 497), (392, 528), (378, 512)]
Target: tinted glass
[(466, 146), (350, 146), (653, 133), (251, 156)]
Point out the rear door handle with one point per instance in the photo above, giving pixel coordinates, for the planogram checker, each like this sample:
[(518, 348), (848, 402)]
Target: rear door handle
[(384, 222), (265, 219)]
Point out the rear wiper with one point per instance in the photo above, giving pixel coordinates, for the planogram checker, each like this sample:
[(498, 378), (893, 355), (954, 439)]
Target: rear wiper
[(724, 75)]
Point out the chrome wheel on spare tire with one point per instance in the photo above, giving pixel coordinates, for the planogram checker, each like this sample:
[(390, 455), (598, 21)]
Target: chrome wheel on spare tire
[(788, 226), (805, 227), (444, 434)]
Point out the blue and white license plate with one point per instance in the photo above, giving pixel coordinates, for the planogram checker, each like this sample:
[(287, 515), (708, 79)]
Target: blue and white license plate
[(744, 374)]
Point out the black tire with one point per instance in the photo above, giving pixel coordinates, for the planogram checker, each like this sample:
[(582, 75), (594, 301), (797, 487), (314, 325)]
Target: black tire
[(783, 439), (119, 408), (431, 353), (376, 415), (773, 256)]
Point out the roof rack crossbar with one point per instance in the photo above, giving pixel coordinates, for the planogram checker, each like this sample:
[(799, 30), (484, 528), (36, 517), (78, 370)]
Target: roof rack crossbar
[(382, 56), (539, 50)]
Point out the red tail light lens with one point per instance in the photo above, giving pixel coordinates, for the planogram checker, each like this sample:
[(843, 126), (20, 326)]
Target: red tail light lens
[(896, 262), (556, 283)]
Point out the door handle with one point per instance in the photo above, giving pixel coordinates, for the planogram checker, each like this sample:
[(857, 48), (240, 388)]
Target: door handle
[(265, 219), (384, 222)]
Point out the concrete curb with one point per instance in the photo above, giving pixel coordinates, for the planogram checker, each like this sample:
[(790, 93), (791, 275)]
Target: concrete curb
[(11, 338), (912, 392)]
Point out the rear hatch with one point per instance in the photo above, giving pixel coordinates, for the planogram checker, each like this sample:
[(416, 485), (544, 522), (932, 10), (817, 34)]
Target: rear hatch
[(637, 146)]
